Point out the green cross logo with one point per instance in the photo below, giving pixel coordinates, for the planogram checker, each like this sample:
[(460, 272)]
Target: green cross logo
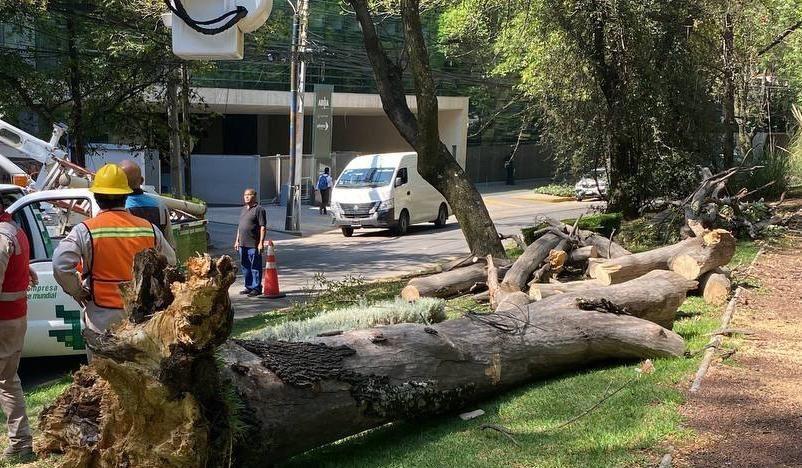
[(71, 337)]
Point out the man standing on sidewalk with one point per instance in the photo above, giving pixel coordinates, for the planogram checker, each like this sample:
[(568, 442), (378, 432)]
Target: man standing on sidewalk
[(15, 276), (251, 233)]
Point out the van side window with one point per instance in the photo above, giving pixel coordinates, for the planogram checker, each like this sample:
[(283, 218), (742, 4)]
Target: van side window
[(402, 174)]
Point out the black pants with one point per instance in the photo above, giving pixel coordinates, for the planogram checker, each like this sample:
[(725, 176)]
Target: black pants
[(325, 199)]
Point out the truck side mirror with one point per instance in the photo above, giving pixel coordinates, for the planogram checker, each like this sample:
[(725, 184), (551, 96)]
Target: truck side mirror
[(399, 181)]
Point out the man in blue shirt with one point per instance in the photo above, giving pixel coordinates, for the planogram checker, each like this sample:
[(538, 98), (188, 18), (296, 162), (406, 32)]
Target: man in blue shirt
[(146, 206)]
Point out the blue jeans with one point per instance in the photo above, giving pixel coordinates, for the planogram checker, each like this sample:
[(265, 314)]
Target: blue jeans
[(251, 266)]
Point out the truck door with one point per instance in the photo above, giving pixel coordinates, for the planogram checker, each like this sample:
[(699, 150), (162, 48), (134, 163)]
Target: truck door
[(54, 318)]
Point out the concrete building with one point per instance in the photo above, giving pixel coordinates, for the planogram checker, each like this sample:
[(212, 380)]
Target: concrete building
[(250, 138)]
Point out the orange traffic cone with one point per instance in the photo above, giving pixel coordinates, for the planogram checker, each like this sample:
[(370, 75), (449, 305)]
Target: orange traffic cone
[(270, 288)]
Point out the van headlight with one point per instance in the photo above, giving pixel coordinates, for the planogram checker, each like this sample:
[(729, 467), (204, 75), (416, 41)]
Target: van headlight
[(386, 205)]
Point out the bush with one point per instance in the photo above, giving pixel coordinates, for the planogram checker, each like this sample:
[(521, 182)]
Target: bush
[(647, 233), (777, 167), (602, 223), (558, 190), (425, 310)]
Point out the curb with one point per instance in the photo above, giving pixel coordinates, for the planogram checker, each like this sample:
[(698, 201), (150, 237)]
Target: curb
[(714, 343), (546, 198)]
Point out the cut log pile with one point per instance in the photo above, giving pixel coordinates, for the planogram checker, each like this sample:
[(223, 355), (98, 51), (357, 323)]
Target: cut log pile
[(167, 388), (560, 254)]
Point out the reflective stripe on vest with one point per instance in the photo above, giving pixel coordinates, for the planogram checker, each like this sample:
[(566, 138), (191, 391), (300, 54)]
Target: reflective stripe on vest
[(117, 236), (13, 290)]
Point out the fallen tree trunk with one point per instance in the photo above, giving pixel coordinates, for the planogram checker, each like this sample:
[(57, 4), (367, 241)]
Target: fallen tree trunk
[(363, 379), (655, 296), (155, 396), (449, 283), (690, 258)]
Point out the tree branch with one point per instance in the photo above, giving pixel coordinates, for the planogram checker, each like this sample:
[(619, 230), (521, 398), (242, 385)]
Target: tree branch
[(780, 37)]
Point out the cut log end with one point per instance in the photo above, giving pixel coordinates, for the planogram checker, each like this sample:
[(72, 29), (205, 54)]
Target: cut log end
[(410, 293), (686, 266)]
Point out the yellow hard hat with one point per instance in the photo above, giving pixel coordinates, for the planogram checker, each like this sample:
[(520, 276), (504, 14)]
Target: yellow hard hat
[(110, 180)]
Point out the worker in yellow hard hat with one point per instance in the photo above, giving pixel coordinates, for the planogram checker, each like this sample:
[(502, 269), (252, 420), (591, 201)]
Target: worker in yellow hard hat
[(105, 246)]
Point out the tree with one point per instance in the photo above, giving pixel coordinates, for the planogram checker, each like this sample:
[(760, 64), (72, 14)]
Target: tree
[(435, 163)]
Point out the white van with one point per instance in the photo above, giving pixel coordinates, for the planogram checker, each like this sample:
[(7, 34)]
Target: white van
[(385, 191)]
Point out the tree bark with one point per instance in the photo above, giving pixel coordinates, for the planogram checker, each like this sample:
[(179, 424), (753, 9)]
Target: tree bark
[(176, 175), (529, 261), (435, 163), (448, 283), (76, 130), (730, 126), (154, 396), (654, 296), (539, 291), (582, 254), (690, 258)]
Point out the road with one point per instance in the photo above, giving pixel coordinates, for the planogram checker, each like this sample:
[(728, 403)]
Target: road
[(373, 254)]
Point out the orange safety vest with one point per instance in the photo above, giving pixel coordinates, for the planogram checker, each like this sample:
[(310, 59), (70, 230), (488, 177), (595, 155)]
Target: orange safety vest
[(116, 237), (13, 291)]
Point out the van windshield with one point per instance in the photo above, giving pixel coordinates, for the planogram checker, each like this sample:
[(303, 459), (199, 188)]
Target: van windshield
[(366, 177)]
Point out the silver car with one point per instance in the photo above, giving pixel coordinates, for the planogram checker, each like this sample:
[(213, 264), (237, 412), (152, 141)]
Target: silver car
[(588, 188)]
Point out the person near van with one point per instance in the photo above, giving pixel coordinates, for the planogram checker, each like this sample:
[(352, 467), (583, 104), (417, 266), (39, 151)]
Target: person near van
[(105, 246), (251, 232), (15, 277), (324, 185), (146, 206)]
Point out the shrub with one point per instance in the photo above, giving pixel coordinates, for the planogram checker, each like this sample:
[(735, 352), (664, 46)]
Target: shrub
[(425, 310), (558, 190), (602, 223)]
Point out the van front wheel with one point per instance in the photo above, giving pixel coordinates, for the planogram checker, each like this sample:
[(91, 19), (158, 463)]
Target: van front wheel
[(348, 231), (442, 216), (402, 225)]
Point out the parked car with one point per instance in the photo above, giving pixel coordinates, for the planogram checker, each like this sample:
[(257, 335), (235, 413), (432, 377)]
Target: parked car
[(587, 186), (385, 191)]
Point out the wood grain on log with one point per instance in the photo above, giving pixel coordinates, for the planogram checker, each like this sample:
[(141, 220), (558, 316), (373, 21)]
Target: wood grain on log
[(655, 296)]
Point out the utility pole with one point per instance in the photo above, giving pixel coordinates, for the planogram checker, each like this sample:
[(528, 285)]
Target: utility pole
[(297, 81)]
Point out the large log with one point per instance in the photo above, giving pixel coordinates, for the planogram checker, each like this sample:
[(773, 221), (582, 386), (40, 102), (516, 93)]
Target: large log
[(156, 396), (690, 258), (449, 283), (655, 296), (539, 291)]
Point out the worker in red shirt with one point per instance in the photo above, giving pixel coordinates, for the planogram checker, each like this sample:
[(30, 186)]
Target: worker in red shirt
[(15, 277)]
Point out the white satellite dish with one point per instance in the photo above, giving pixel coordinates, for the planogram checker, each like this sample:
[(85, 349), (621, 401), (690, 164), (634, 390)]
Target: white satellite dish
[(216, 28)]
